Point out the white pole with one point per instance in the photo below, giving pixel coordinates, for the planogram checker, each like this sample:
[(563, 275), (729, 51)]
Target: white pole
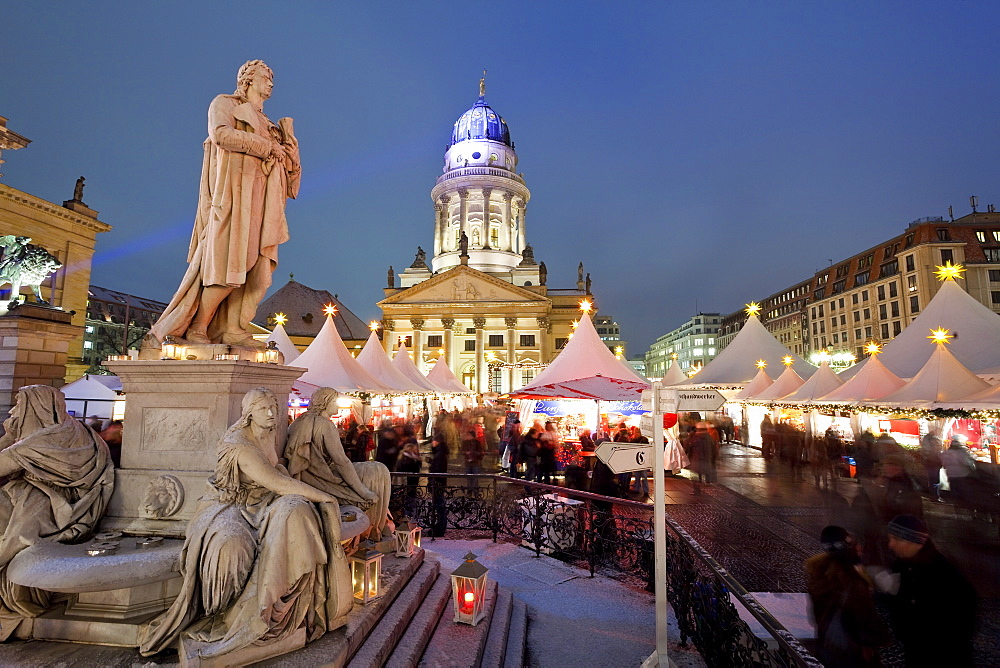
[(659, 657)]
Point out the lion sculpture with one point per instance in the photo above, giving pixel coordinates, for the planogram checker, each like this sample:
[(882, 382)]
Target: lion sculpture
[(25, 264)]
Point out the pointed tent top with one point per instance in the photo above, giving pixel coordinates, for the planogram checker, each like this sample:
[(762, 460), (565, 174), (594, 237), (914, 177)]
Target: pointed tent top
[(787, 382), (446, 381), (584, 356), (759, 383), (734, 365), (942, 378), (285, 345), (975, 329), (822, 382), (406, 366), (330, 364), (871, 383), (374, 360), (949, 271), (674, 375)]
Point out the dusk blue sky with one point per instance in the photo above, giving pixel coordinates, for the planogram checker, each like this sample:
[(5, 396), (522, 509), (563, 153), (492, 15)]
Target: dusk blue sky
[(693, 155)]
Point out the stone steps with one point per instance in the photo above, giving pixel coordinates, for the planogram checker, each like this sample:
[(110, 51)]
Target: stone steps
[(517, 636), (413, 643), (460, 645)]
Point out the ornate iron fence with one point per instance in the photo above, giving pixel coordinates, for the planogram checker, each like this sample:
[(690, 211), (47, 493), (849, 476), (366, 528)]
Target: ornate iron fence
[(606, 533)]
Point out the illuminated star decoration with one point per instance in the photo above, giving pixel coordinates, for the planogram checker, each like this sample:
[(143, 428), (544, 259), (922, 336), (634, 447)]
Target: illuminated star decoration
[(823, 355), (280, 319), (949, 271), (575, 324), (873, 348), (619, 351), (586, 306), (373, 325), (761, 364), (673, 355), (940, 335), (787, 360), (330, 309), (753, 308)]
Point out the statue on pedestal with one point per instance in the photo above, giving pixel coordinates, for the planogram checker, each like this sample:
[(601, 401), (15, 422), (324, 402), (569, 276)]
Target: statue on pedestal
[(390, 277), (316, 456), (251, 167), (59, 481), (78, 190), (262, 555), (23, 263), (420, 261)]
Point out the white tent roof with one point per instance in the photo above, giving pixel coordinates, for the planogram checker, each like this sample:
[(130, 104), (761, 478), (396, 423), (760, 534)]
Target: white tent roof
[(822, 382), (93, 386), (987, 399), (871, 383), (330, 364), (734, 364), (976, 327), (285, 345), (759, 383), (405, 366), (787, 382), (674, 375), (373, 359), (442, 377), (942, 378), (584, 356)]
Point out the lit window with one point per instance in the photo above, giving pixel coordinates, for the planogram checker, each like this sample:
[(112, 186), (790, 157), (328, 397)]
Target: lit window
[(711, 351), (88, 344), (90, 329), (698, 351)]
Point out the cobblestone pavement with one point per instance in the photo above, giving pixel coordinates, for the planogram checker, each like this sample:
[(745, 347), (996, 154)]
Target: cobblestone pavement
[(761, 523)]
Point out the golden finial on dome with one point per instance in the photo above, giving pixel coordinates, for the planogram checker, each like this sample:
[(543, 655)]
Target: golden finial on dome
[(482, 84)]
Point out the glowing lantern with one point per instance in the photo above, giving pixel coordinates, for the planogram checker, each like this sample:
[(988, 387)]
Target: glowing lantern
[(271, 354), (407, 538), (468, 591), (170, 349), (366, 570)]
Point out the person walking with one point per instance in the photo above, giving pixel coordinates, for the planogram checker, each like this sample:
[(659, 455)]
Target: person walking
[(548, 446), (930, 455), (700, 449), (529, 454), (438, 464), (933, 610), (848, 628), (961, 469)]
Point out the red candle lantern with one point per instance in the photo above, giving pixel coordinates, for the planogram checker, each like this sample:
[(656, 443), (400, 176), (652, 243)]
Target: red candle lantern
[(468, 591)]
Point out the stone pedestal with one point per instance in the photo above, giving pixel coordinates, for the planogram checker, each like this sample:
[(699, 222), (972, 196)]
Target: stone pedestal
[(34, 342), (175, 413)]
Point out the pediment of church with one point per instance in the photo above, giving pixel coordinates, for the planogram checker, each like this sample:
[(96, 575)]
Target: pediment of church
[(463, 285)]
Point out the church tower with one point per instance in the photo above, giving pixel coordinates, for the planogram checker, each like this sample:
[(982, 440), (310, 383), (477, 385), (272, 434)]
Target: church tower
[(481, 195)]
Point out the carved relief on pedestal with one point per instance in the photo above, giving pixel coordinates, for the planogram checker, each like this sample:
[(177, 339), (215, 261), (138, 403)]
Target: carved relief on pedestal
[(164, 496)]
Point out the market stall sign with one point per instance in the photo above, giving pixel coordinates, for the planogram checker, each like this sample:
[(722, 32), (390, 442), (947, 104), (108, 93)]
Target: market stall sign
[(623, 407), (550, 408), (668, 401), (689, 401), (625, 457)]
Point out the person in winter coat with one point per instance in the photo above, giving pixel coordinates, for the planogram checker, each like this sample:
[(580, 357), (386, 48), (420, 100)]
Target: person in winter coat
[(438, 464), (548, 446), (700, 449), (848, 628), (529, 454)]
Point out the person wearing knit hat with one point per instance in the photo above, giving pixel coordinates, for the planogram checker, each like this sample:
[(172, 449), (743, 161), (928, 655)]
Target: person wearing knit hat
[(848, 629), (934, 610)]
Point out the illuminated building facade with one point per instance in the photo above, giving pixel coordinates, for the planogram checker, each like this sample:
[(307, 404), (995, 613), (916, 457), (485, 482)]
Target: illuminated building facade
[(693, 344)]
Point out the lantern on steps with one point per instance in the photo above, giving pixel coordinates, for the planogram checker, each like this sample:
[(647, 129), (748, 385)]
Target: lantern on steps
[(366, 566), (169, 349), (271, 354), (407, 538), (468, 591)]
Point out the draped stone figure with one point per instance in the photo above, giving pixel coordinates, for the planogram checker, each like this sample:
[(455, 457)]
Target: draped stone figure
[(59, 481), (316, 456), (262, 556), (251, 166)]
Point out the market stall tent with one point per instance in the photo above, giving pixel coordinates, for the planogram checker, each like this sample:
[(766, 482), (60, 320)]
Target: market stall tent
[(284, 343), (787, 382), (405, 366), (942, 378), (758, 384), (735, 363), (871, 383), (442, 378), (373, 359), (976, 330), (821, 383), (674, 375), (585, 369), (328, 363), (92, 395)]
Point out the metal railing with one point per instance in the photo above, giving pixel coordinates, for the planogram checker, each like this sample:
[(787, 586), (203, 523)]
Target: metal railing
[(610, 534)]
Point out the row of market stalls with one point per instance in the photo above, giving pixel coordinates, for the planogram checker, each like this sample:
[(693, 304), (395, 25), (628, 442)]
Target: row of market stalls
[(372, 386), (937, 376)]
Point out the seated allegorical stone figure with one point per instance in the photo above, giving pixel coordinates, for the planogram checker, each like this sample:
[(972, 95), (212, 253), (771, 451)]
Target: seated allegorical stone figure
[(316, 456), (262, 556), (59, 481)]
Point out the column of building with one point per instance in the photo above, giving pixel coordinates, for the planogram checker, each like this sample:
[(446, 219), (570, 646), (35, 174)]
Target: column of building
[(544, 326), (505, 235), (418, 339), (463, 212), (481, 370), (387, 333), (521, 208), (511, 352), (449, 341), (439, 208), (487, 193)]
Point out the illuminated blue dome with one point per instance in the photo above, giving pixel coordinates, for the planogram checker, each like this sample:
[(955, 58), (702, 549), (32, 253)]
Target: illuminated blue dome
[(481, 122)]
